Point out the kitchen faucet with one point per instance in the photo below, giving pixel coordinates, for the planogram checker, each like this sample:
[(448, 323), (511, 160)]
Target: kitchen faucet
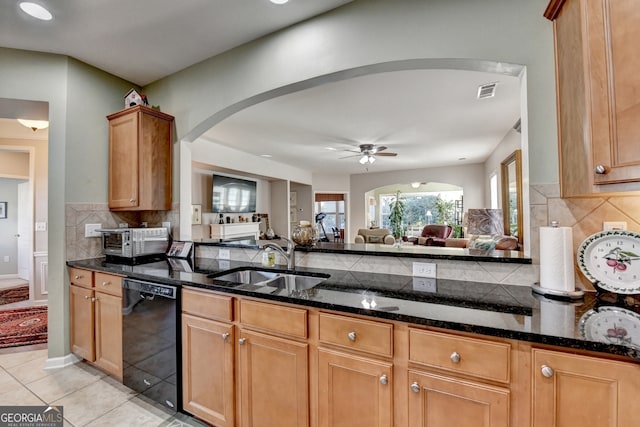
[(289, 254)]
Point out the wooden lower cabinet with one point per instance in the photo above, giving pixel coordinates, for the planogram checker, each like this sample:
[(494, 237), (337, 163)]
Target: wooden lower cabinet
[(354, 391), (573, 390), (207, 370), (96, 321), (108, 333), (440, 401), (273, 380), (82, 322)]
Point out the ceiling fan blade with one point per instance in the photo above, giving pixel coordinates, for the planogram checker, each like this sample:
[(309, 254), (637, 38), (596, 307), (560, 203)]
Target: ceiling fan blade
[(387, 154), (378, 149), (353, 155)]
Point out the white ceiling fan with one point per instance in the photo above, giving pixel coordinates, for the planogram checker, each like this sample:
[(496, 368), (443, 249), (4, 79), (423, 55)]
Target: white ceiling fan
[(368, 153)]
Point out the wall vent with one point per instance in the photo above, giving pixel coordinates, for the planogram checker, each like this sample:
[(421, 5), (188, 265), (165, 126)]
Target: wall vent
[(487, 90)]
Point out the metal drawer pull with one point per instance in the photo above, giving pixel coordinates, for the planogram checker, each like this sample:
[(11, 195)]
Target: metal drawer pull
[(455, 357), (106, 283), (600, 169), (241, 341), (146, 381), (384, 380), (225, 336), (415, 387), (547, 371), (352, 336)]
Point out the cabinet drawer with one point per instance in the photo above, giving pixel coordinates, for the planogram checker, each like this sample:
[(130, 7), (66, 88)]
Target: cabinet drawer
[(108, 283), (207, 305), (357, 334), (479, 358), (81, 277), (275, 318)]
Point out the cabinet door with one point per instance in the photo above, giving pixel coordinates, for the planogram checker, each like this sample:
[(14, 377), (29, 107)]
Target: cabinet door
[(123, 161), (571, 390), (155, 155), (613, 36), (108, 315), (353, 391), (82, 322), (273, 378), (438, 401), (207, 370)]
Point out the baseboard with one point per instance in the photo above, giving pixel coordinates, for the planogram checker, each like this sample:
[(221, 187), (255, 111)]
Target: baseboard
[(61, 362)]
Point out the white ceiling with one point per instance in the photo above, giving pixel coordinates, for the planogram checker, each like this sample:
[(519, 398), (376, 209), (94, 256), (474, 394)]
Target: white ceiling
[(429, 117)]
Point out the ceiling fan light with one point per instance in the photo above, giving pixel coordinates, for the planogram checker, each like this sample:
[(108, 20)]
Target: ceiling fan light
[(36, 10), (363, 159), (279, 1), (415, 184), (34, 124)]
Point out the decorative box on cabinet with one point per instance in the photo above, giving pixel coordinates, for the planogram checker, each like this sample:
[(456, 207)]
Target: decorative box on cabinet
[(96, 318), (140, 159), (598, 103)]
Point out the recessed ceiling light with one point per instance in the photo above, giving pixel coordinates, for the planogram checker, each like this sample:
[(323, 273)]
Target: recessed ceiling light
[(266, 155), (36, 10), (279, 1), (462, 158), (331, 149)]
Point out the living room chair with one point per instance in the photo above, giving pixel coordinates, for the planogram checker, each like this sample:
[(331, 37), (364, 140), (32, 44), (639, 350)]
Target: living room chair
[(376, 235), (434, 235)]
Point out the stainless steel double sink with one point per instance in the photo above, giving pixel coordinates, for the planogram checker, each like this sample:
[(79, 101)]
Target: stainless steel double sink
[(269, 280)]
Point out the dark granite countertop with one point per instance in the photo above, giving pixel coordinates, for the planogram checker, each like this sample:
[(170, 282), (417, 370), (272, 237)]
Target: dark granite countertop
[(506, 311), (376, 249)]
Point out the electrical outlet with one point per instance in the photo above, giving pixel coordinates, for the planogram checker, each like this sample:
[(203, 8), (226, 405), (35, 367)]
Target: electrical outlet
[(224, 265), (424, 269), (614, 225), (6, 258), (41, 226), (424, 284), (224, 253), (167, 225), (90, 230)]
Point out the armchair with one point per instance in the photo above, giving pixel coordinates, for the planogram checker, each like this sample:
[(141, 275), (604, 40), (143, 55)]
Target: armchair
[(376, 235), (434, 235)]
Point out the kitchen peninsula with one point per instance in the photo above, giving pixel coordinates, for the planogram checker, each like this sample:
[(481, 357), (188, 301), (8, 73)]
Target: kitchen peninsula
[(383, 335)]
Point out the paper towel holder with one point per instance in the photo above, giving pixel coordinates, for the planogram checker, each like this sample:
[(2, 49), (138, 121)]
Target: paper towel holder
[(556, 294)]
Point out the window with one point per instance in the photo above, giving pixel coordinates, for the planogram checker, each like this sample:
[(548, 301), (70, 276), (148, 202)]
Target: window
[(424, 208), (493, 183), (332, 205)]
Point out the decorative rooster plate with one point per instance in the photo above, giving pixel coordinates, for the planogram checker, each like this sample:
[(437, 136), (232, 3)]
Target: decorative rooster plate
[(611, 260)]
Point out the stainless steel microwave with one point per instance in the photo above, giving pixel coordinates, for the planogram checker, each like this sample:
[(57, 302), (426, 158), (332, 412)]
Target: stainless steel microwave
[(134, 242)]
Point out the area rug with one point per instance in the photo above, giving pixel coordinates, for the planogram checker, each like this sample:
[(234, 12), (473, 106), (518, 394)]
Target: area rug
[(8, 296), (23, 326)]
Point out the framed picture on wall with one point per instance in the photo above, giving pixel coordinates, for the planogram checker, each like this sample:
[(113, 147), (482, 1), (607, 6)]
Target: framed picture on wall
[(3, 209)]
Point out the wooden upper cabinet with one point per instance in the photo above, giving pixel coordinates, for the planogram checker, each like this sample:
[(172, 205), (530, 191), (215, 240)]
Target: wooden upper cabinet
[(140, 159), (598, 88)]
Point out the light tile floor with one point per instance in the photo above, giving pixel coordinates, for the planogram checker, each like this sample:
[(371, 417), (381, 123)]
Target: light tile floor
[(88, 396)]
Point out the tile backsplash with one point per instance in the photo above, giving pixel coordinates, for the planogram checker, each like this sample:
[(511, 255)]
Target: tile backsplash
[(79, 214), (585, 216)]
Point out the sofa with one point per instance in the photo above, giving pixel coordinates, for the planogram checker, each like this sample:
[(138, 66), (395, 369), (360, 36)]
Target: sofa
[(503, 243), (374, 235), (433, 235)]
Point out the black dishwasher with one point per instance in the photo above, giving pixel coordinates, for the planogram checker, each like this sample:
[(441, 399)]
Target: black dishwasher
[(149, 336)]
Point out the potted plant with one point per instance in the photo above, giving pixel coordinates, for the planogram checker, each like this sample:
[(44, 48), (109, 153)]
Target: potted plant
[(396, 215)]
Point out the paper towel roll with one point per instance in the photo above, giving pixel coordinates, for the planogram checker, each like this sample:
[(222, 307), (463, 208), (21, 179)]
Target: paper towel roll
[(556, 259)]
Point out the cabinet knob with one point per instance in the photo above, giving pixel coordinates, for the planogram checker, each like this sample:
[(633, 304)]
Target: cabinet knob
[(547, 371), (77, 277), (241, 341), (225, 336), (600, 169), (455, 357), (87, 297), (132, 200), (384, 380), (106, 283), (352, 336), (415, 387)]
